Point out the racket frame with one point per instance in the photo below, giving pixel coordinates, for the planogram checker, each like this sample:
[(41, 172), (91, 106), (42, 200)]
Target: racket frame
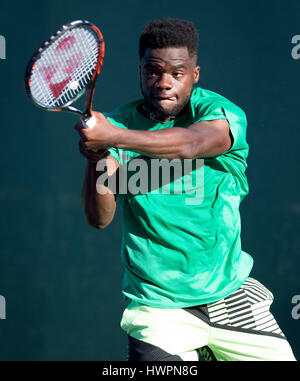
[(89, 89)]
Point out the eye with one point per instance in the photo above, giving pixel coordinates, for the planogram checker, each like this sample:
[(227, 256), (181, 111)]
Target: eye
[(177, 74), (150, 73)]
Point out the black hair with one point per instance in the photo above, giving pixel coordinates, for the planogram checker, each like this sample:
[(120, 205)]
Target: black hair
[(169, 32)]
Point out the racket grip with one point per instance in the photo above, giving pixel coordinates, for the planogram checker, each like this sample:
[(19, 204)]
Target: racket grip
[(90, 123)]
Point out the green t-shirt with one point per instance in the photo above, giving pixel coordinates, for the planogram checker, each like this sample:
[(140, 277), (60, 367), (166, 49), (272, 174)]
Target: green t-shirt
[(181, 237)]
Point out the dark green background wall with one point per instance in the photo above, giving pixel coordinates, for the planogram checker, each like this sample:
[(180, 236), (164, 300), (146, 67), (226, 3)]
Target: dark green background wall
[(60, 278)]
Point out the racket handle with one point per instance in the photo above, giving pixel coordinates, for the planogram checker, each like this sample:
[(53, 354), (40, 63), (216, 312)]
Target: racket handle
[(90, 123)]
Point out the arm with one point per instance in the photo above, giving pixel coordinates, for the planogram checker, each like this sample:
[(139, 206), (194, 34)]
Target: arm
[(99, 204), (202, 139)]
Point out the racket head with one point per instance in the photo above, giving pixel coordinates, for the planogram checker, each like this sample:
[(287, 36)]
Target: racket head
[(65, 67)]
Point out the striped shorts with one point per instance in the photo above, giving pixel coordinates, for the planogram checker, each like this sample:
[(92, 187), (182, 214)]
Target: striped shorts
[(239, 327)]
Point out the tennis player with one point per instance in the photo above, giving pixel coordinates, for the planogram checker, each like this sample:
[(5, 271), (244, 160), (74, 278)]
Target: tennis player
[(185, 274)]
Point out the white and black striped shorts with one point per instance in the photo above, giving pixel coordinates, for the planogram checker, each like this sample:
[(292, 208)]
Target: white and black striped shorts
[(238, 327), (247, 308)]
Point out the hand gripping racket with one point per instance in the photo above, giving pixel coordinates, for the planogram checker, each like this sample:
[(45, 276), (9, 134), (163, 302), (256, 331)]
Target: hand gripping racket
[(65, 67)]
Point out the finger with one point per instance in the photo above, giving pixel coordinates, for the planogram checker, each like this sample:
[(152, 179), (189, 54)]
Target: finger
[(79, 126), (83, 135), (89, 145), (82, 150), (82, 130)]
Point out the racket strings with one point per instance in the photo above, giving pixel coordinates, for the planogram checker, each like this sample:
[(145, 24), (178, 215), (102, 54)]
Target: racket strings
[(57, 95), (65, 67)]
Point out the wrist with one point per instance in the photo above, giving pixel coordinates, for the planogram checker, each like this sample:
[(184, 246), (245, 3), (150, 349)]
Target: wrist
[(118, 136)]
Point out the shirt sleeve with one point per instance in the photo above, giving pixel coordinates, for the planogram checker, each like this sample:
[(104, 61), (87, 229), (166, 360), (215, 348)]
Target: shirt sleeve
[(234, 115), (114, 153)]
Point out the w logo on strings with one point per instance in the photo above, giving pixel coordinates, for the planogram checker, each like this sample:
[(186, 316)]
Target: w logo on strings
[(58, 75)]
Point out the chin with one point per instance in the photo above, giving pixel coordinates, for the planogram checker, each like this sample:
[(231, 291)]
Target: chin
[(171, 112)]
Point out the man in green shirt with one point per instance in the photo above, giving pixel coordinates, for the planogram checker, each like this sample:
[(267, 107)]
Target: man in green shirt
[(176, 161)]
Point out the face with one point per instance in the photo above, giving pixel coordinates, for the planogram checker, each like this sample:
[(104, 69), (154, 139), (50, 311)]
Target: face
[(167, 76)]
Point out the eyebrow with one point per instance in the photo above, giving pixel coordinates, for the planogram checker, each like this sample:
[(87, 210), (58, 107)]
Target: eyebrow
[(156, 65)]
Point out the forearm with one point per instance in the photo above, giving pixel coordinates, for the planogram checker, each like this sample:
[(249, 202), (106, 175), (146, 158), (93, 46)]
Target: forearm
[(99, 202), (199, 140), (170, 143)]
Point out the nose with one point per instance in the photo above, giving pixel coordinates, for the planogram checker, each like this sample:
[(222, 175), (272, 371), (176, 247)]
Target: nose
[(164, 81)]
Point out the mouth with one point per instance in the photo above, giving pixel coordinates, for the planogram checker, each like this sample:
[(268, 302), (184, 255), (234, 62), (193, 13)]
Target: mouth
[(164, 100)]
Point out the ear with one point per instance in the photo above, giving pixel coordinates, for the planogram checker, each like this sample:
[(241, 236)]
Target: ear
[(196, 74)]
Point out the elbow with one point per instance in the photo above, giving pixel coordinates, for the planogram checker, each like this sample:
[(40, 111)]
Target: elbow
[(99, 225)]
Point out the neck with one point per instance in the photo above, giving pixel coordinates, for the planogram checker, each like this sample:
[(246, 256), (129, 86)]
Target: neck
[(149, 113)]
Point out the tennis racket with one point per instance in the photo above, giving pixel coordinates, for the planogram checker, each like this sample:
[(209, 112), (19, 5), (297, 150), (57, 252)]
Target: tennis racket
[(65, 67)]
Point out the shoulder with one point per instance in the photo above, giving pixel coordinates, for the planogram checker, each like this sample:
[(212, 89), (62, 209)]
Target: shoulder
[(204, 102), (123, 114)]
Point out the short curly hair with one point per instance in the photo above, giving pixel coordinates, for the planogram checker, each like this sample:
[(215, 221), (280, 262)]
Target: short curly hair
[(169, 32)]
